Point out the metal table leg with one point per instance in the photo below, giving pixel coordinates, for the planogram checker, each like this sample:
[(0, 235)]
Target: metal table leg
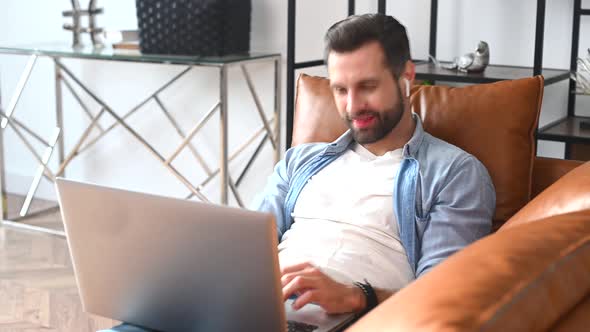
[(59, 120), (19, 90), (223, 162), (182, 135), (40, 170), (259, 107), (271, 126), (3, 193), (235, 154), (4, 197), (9, 119)]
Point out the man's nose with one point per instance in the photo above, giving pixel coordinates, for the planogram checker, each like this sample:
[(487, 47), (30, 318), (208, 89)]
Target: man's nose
[(354, 102)]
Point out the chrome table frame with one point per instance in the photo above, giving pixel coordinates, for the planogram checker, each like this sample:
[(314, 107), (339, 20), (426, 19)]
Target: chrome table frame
[(64, 77)]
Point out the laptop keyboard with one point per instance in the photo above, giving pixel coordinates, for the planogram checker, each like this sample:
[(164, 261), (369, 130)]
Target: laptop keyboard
[(293, 326)]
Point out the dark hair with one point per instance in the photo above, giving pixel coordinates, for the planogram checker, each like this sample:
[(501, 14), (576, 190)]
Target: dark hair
[(357, 30)]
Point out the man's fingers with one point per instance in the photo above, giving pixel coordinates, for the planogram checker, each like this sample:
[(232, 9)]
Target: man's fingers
[(307, 297), (297, 285), (308, 271), (285, 279), (295, 268)]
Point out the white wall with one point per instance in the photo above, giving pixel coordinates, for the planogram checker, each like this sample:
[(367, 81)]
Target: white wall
[(118, 160)]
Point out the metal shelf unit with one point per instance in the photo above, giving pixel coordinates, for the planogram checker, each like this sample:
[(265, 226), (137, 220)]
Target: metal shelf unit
[(568, 129), (425, 70)]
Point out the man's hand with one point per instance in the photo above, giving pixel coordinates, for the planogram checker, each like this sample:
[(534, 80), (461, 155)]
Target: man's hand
[(313, 286)]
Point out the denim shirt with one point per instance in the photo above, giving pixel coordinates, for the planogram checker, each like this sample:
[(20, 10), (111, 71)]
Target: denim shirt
[(443, 197)]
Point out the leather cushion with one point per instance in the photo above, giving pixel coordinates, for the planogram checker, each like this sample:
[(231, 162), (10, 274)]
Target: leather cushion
[(538, 273), (495, 122), (570, 193), (316, 117)]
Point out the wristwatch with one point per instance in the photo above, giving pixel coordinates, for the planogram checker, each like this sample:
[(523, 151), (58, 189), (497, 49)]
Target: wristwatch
[(370, 296)]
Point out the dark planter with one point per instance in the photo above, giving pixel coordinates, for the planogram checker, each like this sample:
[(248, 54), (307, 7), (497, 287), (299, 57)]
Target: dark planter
[(194, 27)]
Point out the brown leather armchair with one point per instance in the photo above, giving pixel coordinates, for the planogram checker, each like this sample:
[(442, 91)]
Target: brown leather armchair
[(533, 273)]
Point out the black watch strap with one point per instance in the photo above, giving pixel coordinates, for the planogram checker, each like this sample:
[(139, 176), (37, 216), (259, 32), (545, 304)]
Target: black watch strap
[(370, 295)]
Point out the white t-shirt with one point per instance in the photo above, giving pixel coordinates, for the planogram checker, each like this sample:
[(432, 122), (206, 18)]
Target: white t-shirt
[(344, 222)]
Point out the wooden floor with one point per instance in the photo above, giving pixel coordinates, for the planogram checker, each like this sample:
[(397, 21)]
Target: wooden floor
[(37, 284), (41, 213)]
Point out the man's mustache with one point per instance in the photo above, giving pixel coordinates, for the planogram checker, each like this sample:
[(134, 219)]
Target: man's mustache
[(362, 114)]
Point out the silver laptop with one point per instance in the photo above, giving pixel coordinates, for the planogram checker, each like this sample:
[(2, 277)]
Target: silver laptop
[(175, 265)]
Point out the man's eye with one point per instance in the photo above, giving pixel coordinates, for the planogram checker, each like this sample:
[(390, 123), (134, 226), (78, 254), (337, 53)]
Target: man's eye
[(369, 87), (340, 91)]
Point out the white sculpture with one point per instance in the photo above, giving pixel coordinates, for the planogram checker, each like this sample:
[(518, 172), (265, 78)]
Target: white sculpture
[(475, 62), (76, 27), (582, 76)]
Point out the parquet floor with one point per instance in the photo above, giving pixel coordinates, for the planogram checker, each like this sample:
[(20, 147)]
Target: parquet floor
[(37, 284)]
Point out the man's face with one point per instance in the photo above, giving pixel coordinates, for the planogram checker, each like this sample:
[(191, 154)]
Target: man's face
[(367, 95)]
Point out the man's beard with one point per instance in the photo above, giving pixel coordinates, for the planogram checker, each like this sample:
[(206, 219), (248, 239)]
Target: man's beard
[(385, 122)]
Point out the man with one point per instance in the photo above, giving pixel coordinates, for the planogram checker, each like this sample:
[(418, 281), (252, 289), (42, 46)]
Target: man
[(363, 216)]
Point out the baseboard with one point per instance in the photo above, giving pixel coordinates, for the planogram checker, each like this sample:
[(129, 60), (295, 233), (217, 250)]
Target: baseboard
[(20, 184)]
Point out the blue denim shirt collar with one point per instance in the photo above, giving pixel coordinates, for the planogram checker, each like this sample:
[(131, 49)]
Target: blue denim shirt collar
[(410, 148)]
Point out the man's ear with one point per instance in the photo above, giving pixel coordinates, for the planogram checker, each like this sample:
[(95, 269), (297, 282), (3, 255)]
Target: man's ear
[(409, 71), (408, 75)]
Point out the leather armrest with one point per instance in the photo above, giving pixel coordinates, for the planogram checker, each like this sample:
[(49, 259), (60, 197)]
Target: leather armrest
[(523, 279), (576, 320), (570, 193), (546, 171)]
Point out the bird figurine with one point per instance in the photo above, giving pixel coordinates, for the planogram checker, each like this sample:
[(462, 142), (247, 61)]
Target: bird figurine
[(582, 75), (475, 62)]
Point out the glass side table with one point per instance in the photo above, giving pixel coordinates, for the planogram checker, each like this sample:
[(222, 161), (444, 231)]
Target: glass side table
[(64, 77)]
